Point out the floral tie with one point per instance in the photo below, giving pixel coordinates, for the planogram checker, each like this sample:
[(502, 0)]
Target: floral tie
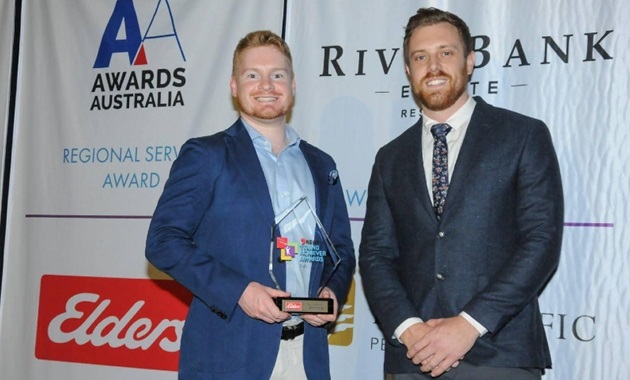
[(439, 182)]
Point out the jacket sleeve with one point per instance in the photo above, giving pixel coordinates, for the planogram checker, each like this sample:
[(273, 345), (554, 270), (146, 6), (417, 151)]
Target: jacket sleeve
[(379, 260), (171, 246), (540, 219)]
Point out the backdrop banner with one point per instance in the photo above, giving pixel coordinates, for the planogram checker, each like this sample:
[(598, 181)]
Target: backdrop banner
[(562, 62), (108, 92)]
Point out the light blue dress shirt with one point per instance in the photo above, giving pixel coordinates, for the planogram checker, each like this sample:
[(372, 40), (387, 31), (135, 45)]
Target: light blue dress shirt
[(288, 178)]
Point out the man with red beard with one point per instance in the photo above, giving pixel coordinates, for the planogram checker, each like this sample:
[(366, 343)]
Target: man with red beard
[(215, 227), (463, 225)]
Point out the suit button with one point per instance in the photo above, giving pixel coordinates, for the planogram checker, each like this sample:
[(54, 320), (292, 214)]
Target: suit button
[(441, 234), (440, 276)]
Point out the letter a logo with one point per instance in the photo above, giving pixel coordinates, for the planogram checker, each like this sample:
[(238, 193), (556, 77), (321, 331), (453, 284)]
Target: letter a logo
[(129, 39), (124, 14)]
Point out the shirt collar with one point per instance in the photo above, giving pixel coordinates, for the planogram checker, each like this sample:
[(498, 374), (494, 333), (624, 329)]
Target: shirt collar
[(457, 120), (258, 139)]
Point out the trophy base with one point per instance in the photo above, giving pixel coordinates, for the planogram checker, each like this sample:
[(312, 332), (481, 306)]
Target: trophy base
[(295, 305)]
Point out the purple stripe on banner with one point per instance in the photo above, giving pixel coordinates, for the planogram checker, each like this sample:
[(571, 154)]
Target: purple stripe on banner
[(566, 224), (577, 224), (60, 216)]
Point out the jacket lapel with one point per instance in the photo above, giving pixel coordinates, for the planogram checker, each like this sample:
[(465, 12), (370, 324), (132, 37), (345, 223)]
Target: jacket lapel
[(318, 171), (323, 207), (241, 148), (474, 143)]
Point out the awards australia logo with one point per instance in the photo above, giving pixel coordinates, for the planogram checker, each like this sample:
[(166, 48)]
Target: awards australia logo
[(126, 39)]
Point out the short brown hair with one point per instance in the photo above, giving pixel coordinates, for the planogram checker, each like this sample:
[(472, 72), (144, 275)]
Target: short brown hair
[(257, 39), (432, 16)]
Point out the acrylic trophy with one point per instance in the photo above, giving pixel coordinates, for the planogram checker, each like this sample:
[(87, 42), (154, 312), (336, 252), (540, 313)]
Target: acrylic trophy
[(299, 239)]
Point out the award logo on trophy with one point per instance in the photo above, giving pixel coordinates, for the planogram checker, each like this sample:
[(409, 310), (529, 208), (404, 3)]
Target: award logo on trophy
[(299, 238)]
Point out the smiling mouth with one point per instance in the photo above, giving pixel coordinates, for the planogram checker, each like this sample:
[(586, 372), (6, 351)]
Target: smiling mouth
[(435, 82), (266, 99)]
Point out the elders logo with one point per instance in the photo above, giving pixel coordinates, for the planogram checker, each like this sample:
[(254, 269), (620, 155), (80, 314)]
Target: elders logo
[(125, 36), (344, 326), (111, 321), (293, 305)]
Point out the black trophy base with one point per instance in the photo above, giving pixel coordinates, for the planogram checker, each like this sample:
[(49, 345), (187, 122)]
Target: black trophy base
[(295, 305)]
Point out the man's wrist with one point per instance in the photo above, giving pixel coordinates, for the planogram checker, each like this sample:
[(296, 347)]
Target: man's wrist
[(478, 326), (404, 326)]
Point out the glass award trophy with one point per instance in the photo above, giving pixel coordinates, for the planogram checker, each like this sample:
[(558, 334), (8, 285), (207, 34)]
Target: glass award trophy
[(299, 240)]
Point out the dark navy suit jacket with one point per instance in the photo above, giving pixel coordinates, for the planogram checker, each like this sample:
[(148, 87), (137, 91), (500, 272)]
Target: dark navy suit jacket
[(495, 248), (211, 232)]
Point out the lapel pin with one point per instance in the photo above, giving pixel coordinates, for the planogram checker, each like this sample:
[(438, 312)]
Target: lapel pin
[(333, 177)]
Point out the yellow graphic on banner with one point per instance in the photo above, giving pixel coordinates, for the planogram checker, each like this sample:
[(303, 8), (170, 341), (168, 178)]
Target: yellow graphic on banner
[(343, 329)]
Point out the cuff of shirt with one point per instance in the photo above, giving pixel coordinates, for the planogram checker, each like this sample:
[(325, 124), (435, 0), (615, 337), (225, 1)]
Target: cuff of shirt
[(404, 326), (482, 330)]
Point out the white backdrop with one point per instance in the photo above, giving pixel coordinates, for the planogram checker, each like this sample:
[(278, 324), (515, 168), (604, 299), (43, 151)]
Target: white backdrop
[(86, 176)]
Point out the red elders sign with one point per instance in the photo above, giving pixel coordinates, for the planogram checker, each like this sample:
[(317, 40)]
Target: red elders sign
[(293, 306), (111, 321)]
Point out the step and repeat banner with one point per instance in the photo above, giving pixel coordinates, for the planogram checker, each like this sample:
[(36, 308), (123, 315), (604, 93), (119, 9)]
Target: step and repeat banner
[(108, 91), (564, 62)]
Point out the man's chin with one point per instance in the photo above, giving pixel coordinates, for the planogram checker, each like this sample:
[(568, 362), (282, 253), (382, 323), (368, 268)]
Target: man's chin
[(434, 103), (268, 115)]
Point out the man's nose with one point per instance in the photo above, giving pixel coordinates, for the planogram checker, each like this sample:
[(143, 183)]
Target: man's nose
[(434, 63), (266, 83)]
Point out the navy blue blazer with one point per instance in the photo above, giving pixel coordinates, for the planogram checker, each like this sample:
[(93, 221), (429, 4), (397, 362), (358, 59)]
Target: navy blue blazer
[(495, 248), (211, 232)]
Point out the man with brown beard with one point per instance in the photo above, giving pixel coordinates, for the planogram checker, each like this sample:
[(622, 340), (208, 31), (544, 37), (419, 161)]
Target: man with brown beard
[(463, 225), (215, 221)]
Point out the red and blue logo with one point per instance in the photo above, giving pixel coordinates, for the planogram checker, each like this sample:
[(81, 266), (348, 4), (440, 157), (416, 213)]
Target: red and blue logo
[(124, 21), (142, 85)]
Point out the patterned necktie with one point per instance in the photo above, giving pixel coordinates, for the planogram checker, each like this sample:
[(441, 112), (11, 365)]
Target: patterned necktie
[(439, 182)]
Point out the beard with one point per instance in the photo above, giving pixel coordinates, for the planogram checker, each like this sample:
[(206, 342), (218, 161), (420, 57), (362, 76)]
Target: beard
[(441, 99), (266, 111)]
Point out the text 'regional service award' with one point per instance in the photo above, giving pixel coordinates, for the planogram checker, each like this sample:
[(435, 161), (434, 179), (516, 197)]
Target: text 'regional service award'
[(298, 234)]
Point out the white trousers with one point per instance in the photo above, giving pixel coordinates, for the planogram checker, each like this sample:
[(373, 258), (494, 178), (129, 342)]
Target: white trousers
[(290, 360)]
